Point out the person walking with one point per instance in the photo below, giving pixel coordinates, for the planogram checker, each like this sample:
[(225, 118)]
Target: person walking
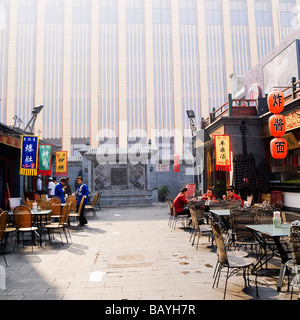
[(82, 191)]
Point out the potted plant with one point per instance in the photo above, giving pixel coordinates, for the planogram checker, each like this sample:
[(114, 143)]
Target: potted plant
[(163, 191)]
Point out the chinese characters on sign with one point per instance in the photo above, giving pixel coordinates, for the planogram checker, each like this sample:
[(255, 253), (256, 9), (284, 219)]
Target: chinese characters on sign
[(61, 159), (45, 160), (223, 153), (29, 155), (277, 125)]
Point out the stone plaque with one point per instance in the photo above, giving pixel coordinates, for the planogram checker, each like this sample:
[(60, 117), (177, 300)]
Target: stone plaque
[(119, 177)]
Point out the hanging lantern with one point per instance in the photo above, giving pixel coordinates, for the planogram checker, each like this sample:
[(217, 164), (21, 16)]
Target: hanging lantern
[(176, 158), (277, 125), (279, 148), (176, 167), (276, 102)]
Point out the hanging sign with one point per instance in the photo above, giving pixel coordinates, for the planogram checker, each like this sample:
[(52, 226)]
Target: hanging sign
[(223, 153), (45, 159), (29, 155), (61, 163), (277, 125)]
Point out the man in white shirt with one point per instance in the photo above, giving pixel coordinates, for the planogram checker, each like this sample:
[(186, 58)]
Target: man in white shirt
[(51, 187)]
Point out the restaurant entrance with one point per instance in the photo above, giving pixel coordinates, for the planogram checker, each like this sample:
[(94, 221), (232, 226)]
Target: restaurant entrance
[(6, 181)]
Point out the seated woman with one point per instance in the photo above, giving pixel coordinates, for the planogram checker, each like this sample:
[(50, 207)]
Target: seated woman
[(181, 201)]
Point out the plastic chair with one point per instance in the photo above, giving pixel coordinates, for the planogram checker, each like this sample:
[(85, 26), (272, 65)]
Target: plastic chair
[(232, 263)]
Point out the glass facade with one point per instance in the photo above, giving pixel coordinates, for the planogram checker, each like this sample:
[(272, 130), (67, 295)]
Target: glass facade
[(174, 25), (53, 75), (215, 54), (4, 13)]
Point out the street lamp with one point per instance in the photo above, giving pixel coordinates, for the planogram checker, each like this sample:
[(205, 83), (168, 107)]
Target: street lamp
[(34, 113), (191, 116)]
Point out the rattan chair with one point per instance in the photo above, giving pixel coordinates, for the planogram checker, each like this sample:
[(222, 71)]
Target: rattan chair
[(178, 217), (91, 207), (3, 221), (61, 225), (23, 219), (294, 263), (243, 237), (170, 201), (198, 226), (232, 263)]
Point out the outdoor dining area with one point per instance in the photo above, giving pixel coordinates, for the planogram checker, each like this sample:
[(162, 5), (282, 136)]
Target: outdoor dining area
[(35, 222), (246, 239)]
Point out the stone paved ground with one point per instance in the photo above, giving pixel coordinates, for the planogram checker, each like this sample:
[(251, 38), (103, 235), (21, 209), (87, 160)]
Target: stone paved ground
[(124, 254)]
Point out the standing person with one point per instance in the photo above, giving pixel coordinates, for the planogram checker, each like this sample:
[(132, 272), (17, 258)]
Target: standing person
[(59, 189), (180, 202), (51, 187), (82, 191), (68, 189), (39, 185), (231, 195)]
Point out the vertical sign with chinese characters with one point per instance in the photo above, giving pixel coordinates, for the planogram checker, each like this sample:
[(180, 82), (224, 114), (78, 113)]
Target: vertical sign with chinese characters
[(223, 153), (61, 162), (45, 159), (29, 155)]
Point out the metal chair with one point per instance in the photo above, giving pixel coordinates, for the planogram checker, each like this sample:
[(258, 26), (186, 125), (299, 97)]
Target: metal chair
[(198, 226), (232, 263), (178, 216), (170, 201), (294, 263)]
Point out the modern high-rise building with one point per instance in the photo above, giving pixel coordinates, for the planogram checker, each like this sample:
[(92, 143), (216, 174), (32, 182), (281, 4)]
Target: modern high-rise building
[(128, 70)]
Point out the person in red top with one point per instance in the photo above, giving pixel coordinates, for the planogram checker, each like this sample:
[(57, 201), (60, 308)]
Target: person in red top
[(180, 202), (208, 195), (231, 195)]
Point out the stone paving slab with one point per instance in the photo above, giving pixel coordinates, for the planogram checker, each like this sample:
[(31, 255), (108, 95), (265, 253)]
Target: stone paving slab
[(124, 254)]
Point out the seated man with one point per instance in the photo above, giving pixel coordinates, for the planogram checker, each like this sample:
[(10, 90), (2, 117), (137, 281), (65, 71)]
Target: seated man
[(208, 195), (231, 195), (180, 202)]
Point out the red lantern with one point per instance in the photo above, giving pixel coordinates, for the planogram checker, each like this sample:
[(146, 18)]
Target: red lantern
[(276, 102), (176, 158), (277, 125), (279, 148), (176, 167)]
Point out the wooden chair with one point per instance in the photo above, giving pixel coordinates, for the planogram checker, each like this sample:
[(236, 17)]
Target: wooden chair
[(72, 200), (61, 225), (23, 219), (3, 221), (91, 207), (56, 206), (77, 213)]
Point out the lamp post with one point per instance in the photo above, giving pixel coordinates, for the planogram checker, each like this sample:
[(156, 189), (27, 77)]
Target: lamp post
[(191, 116)]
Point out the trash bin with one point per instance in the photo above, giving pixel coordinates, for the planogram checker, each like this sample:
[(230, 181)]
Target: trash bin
[(277, 197)]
